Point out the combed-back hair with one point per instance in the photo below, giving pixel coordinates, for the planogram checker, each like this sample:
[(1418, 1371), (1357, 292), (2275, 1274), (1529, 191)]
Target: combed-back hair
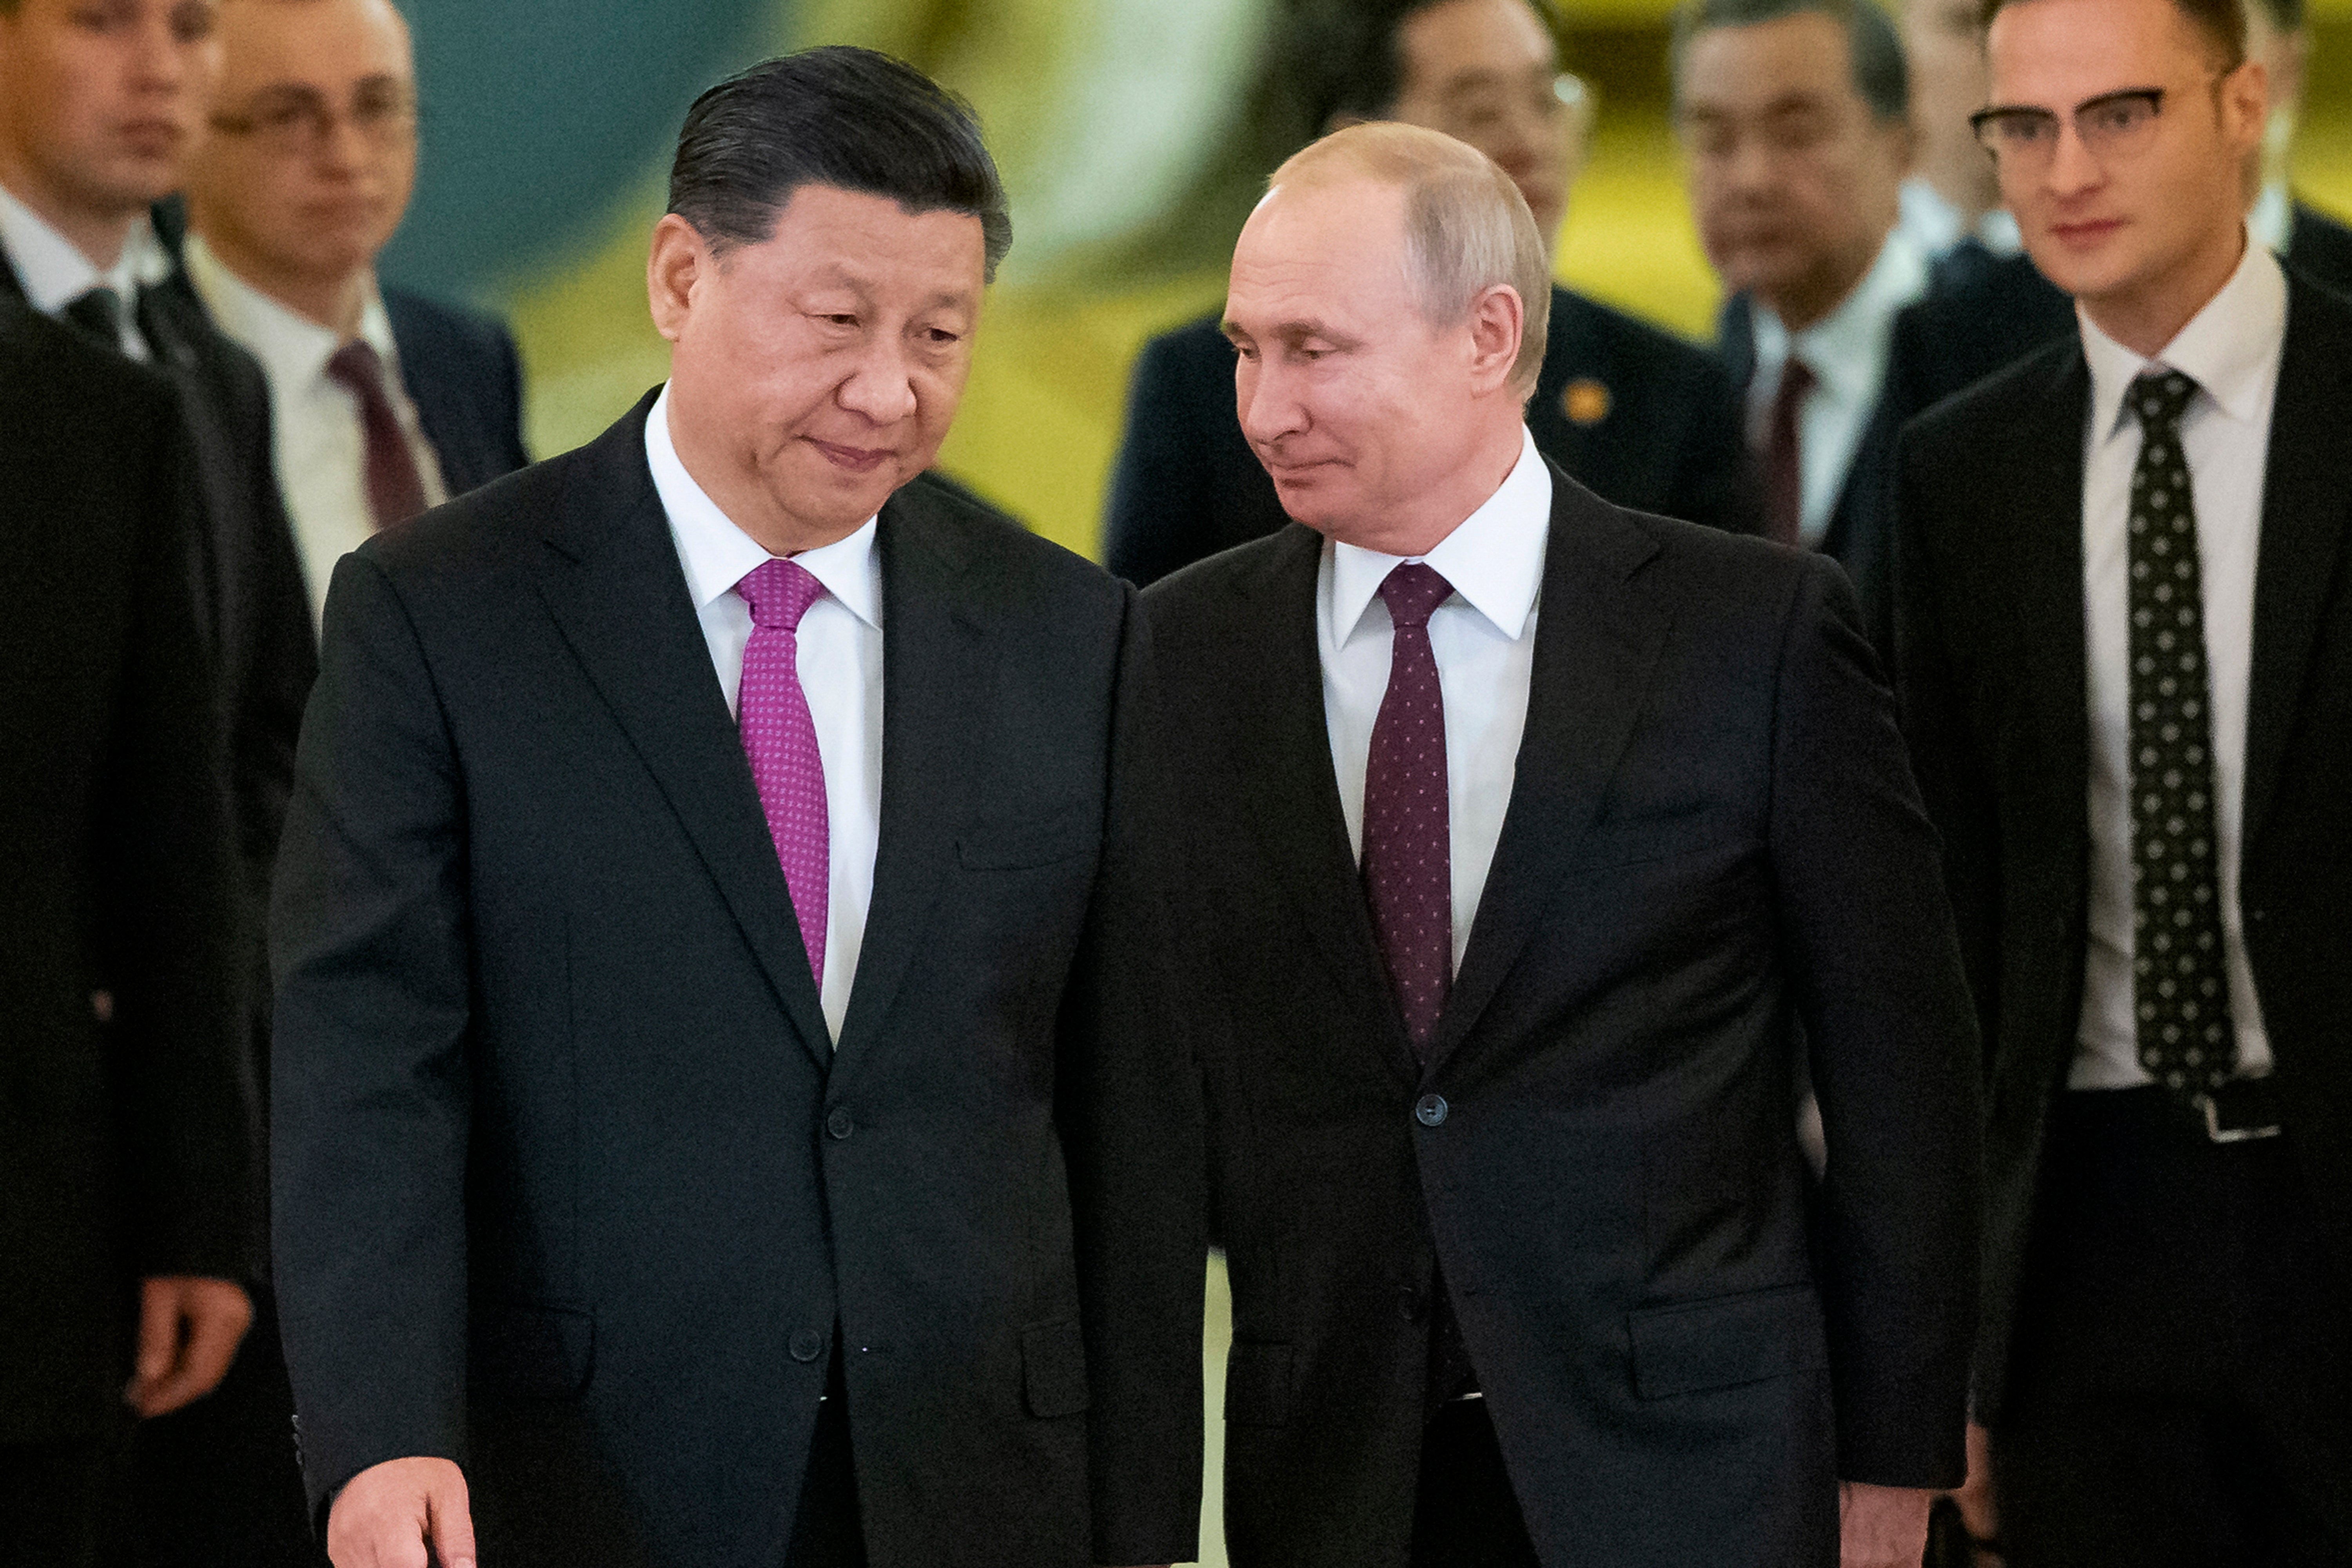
[(838, 116), (2224, 22), (1466, 226), (1873, 46)]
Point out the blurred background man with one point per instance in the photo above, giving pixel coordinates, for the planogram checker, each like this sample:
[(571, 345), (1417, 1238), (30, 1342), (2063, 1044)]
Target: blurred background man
[(1794, 117), (126, 1111), (1635, 412), (384, 402), (2126, 654), (1952, 200)]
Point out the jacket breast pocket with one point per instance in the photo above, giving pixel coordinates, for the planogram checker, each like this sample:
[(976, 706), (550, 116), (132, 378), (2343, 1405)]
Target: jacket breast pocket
[(1020, 847), (521, 1351), (1640, 840), (1053, 1369), (1698, 1346)]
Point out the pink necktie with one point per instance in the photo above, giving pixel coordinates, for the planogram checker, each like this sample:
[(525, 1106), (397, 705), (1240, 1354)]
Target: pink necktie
[(780, 738)]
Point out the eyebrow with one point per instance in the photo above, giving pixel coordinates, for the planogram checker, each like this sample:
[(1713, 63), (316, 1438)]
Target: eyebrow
[(1292, 333)]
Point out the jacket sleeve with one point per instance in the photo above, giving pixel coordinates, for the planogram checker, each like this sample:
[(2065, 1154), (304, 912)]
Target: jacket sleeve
[(1877, 979), (370, 1103), (1132, 1127), (177, 928), (1157, 519)]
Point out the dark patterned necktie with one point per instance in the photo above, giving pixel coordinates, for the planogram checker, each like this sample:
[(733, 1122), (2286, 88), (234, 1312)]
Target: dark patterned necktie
[(2180, 987), (98, 313), (396, 490), (1408, 866), (1784, 473)]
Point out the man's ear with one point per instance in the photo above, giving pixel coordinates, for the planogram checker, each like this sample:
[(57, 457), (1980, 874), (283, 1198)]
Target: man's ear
[(678, 260), (1498, 319)]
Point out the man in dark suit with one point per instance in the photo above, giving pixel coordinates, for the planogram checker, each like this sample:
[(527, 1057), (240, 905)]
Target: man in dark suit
[(683, 1121), (1793, 116), (1638, 415), (1499, 937), (126, 1113), (2125, 657)]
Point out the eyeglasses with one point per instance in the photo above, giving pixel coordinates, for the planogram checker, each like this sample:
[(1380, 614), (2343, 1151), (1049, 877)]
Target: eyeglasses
[(2111, 126), (300, 123), (1479, 113)]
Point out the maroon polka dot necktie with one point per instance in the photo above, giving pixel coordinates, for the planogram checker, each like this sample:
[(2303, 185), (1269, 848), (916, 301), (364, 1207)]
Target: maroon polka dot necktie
[(1408, 864)]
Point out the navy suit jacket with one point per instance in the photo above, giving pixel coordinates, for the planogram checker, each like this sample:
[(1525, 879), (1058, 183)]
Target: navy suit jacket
[(1643, 419), (463, 373)]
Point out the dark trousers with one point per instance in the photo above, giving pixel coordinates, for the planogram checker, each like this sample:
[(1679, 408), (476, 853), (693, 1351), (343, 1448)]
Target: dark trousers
[(61, 1503), (2182, 1391), (826, 1534), (1464, 1514)]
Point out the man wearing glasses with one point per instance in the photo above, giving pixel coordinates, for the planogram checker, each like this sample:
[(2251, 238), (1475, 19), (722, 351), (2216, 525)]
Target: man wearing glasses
[(1642, 417), (383, 403), (1794, 118), (2125, 644)]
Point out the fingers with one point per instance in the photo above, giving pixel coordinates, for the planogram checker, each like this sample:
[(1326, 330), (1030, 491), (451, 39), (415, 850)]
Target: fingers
[(389, 1514), (189, 1330)]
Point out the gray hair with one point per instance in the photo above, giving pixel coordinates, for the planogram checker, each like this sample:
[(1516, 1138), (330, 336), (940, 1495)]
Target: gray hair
[(1466, 226)]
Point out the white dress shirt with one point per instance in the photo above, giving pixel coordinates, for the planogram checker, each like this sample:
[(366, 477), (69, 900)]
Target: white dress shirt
[(840, 667), (2272, 219), (2231, 349), (55, 272), (320, 446), (1484, 635), (1934, 225), (1847, 350)]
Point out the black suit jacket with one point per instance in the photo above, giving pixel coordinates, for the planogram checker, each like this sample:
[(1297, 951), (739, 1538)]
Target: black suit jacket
[(462, 372), (1654, 427), (1861, 521), (125, 1146), (569, 1182), (1984, 314), (1713, 838), (1992, 668)]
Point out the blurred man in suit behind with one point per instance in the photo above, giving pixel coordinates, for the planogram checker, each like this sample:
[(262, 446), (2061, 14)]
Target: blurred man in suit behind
[(126, 1134), (1515, 834), (686, 1125), (383, 402), (1951, 201), (2126, 653), (1794, 120), (1637, 414)]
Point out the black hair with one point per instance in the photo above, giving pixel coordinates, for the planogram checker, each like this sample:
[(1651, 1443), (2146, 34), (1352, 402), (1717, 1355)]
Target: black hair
[(1880, 75), (836, 116), (1347, 58)]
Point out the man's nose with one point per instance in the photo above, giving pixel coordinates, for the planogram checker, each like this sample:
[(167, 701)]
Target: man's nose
[(880, 387), (1270, 409)]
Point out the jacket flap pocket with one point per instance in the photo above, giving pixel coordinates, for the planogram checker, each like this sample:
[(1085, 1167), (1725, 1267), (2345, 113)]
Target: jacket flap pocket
[(1726, 1342), (1258, 1383), (527, 1351), (1053, 1369)]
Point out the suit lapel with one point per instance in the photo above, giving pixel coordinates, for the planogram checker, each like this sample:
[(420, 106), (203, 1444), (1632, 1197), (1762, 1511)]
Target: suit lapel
[(616, 589), (937, 667), (1279, 751), (1598, 637), (2303, 532)]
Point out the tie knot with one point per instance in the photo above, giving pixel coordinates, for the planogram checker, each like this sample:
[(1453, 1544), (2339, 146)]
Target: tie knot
[(1412, 593), (1797, 378), (99, 312), (780, 592), (356, 366), (2159, 397)]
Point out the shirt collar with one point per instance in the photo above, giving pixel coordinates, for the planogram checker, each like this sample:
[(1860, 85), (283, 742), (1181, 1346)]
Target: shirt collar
[(1843, 349), (717, 555), (1494, 558), (55, 272), (2272, 219), (2230, 349), (293, 348)]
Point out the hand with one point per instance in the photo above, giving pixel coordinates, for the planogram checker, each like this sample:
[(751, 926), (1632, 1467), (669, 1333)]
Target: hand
[(189, 1330), (1882, 1526), (388, 1514), (1977, 1514)]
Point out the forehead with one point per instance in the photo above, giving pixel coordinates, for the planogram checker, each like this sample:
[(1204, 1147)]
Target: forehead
[(1327, 252), (1754, 67), (826, 234), (2055, 53), (312, 41), (1472, 37)]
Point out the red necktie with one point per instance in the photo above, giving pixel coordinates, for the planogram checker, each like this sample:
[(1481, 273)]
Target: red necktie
[(396, 490), (1784, 481), (1408, 864)]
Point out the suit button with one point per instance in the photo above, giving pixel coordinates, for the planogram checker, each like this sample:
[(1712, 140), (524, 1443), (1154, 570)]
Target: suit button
[(807, 1345), (1430, 1110), (840, 1124)]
